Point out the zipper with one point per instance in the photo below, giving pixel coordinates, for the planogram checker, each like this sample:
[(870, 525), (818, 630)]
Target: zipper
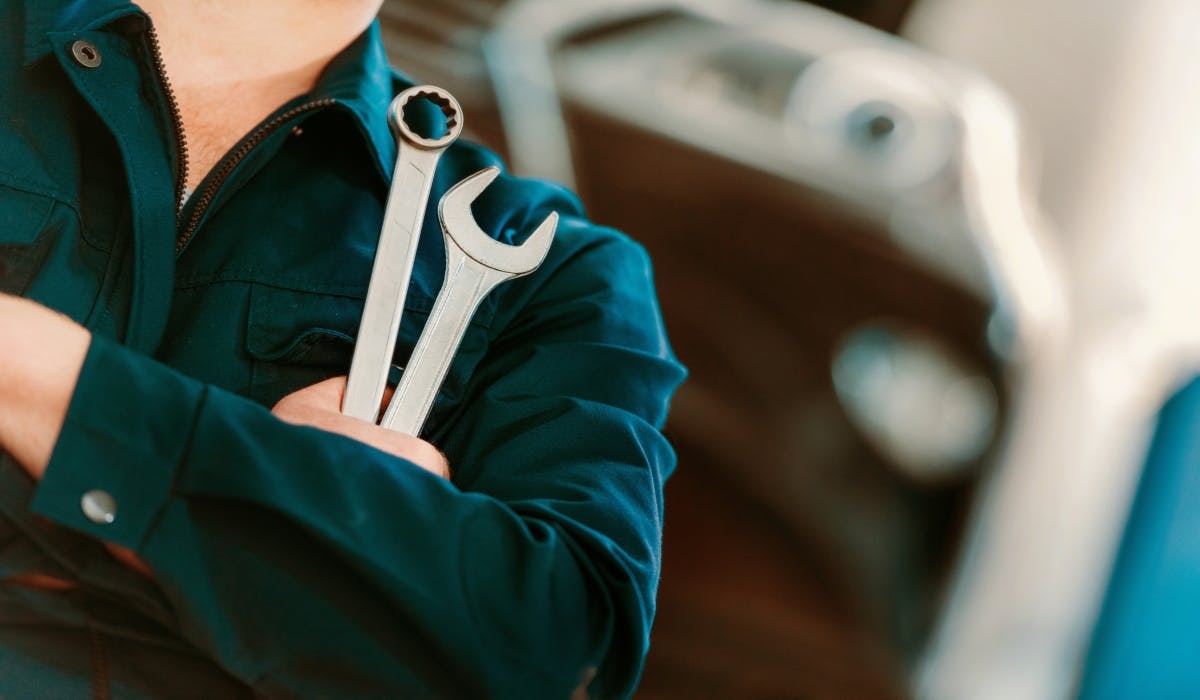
[(205, 196), (226, 167), (164, 83)]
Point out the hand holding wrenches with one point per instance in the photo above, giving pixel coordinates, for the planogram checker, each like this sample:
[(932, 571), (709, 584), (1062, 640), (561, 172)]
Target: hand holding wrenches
[(475, 264), (416, 159)]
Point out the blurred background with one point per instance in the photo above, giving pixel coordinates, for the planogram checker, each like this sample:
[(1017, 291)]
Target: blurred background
[(931, 263)]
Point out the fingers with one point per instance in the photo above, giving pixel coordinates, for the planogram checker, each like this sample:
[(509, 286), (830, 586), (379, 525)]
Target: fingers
[(387, 398), (319, 406), (328, 394)]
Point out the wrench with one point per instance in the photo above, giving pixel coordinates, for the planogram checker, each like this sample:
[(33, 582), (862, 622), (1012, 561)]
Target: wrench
[(475, 264), (416, 160)]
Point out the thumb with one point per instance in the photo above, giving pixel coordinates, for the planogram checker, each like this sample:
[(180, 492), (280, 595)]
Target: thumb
[(326, 395)]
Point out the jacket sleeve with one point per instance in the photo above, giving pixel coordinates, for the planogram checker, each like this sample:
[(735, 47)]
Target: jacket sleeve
[(308, 563)]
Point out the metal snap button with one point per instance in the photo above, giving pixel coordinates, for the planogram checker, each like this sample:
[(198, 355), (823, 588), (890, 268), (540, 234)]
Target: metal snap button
[(99, 507), (85, 54)]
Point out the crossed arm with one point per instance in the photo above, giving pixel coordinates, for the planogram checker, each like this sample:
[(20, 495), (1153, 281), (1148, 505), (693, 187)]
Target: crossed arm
[(40, 360), (538, 563)]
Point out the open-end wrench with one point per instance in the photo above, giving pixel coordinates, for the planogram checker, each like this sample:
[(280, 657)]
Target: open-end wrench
[(416, 160), (475, 264)]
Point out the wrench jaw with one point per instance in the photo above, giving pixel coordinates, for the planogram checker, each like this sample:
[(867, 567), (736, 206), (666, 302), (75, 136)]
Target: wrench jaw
[(539, 242), (458, 224), (475, 264)]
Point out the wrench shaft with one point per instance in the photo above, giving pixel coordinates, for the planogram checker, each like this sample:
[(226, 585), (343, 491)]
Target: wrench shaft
[(390, 275), (416, 160), (475, 264), (464, 288)]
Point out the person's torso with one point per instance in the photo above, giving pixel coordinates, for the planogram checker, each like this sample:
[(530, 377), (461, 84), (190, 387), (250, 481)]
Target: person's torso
[(255, 285)]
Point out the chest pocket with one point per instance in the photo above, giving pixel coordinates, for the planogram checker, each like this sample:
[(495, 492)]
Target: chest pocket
[(296, 339), (24, 238)]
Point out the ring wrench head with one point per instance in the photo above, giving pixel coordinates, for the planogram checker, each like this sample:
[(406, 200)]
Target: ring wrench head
[(437, 96)]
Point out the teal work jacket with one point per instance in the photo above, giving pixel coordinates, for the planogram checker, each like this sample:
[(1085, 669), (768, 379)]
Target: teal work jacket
[(291, 562)]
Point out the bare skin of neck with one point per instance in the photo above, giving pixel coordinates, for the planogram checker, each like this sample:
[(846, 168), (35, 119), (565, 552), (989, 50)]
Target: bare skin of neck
[(232, 63)]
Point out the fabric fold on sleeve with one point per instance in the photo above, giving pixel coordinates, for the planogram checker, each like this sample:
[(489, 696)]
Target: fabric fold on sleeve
[(126, 432)]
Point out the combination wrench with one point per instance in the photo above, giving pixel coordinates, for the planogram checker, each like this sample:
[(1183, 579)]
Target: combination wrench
[(475, 264), (416, 160)]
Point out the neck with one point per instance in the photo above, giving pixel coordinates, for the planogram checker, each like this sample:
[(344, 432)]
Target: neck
[(216, 42), (233, 62)]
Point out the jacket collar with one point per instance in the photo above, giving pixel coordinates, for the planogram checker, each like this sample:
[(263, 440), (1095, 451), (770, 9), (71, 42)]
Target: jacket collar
[(363, 84), (358, 79), (43, 17)]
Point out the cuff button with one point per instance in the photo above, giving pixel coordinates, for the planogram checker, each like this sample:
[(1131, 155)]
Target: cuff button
[(85, 54), (99, 507)]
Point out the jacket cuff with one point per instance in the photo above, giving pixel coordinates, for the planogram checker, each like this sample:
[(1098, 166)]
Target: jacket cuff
[(127, 429)]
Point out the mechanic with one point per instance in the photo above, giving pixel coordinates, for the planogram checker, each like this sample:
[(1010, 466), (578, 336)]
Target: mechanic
[(194, 251)]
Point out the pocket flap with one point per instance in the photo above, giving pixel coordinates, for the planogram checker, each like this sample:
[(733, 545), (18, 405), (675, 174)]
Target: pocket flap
[(296, 339), (288, 325)]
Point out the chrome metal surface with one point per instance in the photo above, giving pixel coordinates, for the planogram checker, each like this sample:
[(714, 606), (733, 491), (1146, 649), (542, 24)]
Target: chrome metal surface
[(99, 506), (475, 264), (416, 161)]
